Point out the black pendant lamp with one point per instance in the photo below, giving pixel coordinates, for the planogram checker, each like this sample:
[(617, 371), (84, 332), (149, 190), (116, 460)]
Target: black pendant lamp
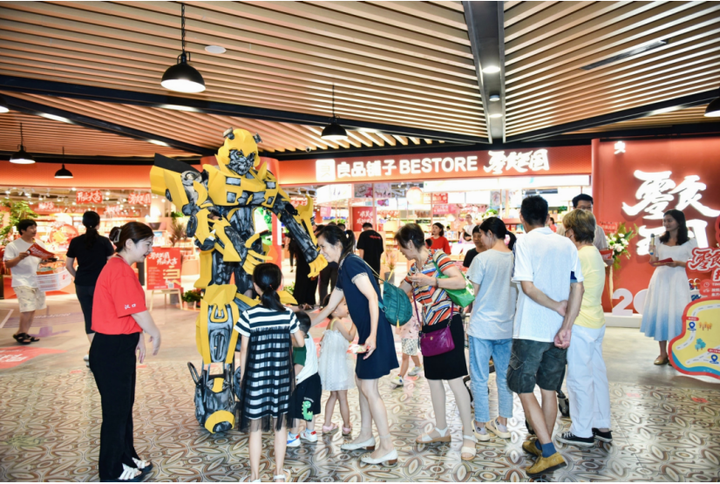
[(333, 131), (182, 77), (713, 109), (62, 172), (22, 157)]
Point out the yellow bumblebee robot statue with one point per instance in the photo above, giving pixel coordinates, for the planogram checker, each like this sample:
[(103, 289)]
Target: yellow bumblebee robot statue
[(220, 202)]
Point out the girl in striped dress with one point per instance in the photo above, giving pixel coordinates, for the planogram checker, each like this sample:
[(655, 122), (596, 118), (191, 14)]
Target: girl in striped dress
[(266, 359)]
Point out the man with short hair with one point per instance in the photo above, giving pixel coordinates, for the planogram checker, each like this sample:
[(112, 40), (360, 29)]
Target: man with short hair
[(370, 246), (585, 202), (547, 267), (467, 234), (479, 247), (24, 278)]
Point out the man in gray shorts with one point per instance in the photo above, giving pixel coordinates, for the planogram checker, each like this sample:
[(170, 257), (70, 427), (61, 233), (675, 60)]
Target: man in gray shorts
[(24, 278), (547, 267)]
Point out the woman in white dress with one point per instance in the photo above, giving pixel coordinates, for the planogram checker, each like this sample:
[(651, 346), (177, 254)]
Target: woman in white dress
[(669, 291)]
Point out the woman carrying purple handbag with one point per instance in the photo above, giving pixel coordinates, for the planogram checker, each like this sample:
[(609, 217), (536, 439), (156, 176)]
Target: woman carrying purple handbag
[(442, 340)]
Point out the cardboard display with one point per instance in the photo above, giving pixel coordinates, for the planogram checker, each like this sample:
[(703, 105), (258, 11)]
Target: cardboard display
[(164, 268)]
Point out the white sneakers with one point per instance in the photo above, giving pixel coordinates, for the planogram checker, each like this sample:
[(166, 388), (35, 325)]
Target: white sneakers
[(397, 381), (309, 435), (415, 371)]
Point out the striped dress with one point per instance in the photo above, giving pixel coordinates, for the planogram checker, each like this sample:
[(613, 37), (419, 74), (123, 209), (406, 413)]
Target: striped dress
[(269, 378)]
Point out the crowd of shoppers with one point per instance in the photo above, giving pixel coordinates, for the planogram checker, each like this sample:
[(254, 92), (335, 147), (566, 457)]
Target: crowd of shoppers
[(537, 309)]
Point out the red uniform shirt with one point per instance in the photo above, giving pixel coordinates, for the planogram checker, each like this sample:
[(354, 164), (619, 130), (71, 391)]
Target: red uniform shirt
[(441, 243), (118, 294)]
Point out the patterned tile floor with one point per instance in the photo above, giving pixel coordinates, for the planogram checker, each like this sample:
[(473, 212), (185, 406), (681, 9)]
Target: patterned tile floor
[(50, 424)]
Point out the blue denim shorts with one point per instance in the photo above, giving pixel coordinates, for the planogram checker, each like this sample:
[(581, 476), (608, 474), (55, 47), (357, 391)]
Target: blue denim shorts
[(535, 362)]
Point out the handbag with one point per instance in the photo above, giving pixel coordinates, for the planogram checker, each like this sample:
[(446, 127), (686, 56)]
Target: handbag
[(393, 302), (461, 297), (437, 342)]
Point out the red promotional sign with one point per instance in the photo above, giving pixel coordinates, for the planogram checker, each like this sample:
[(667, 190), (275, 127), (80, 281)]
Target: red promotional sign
[(140, 198), (361, 215), (709, 288), (706, 260), (439, 198), (90, 197), (163, 269)]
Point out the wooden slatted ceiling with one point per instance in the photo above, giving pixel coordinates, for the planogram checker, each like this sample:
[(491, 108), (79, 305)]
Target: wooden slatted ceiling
[(206, 130), (49, 136), (547, 43), (682, 116), (403, 63)]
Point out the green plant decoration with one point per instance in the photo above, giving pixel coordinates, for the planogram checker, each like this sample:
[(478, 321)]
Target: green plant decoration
[(618, 242), (19, 210)]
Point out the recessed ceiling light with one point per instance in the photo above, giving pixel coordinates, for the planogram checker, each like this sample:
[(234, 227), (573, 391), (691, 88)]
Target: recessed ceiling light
[(666, 110), (494, 98), (496, 115), (215, 49), (159, 143), (177, 107), (55, 118), (491, 70)]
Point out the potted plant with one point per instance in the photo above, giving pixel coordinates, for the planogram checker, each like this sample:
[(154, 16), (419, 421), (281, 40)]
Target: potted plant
[(191, 298)]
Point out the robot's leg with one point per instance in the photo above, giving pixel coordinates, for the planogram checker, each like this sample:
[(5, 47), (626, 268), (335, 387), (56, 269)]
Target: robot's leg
[(216, 340)]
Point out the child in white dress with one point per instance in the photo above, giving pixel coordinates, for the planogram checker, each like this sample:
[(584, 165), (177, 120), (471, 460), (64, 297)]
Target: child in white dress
[(335, 371)]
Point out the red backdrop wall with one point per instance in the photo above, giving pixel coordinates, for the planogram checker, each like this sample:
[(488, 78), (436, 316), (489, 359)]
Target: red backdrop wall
[(614, 182)]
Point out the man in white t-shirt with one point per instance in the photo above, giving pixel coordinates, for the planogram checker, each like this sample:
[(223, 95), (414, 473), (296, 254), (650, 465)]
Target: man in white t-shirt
[(24, 278), (468, 228), (547, 267)]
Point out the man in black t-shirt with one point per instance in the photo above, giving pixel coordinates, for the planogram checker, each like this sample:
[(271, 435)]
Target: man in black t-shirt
[(370, 247), (479, 247)]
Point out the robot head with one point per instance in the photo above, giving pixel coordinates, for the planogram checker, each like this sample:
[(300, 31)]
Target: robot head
[(239, 153)]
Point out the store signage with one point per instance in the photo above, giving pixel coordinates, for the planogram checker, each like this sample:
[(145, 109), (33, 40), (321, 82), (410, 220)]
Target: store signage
[(136, 198), (498, 163), (163, 269), (113, 209), (655, 195), (521, 162), (362, 215), (91, 197)]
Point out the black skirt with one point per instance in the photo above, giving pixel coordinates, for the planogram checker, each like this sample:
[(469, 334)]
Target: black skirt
[(452, 364)]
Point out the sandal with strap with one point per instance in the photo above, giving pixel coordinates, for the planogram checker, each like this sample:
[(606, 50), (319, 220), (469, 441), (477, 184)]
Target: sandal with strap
[(427, 439), (144, 465), (347, 431), (22, 338), (471, 451), (330, 429)]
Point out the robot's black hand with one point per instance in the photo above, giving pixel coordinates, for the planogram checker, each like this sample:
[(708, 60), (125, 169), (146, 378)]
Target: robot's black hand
[(290, 209)]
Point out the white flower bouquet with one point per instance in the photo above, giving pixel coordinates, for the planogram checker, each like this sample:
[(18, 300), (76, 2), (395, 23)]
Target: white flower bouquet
[(619, 242)]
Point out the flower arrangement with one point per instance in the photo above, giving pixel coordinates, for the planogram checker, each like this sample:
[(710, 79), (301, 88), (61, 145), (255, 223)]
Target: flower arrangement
[(618, 242), (390, 259)]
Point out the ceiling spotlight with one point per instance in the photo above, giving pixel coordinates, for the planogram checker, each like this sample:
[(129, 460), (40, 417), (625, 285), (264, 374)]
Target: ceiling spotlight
[(22, 157), (215, 49), (496, 115), (4, 109), (494, 98), (713, 109), (333, 131), (491, 70), (182, 77), (159, 143)]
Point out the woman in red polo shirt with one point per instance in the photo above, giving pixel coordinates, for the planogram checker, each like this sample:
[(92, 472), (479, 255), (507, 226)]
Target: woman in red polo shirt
[(439, 242), (119, 319)]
